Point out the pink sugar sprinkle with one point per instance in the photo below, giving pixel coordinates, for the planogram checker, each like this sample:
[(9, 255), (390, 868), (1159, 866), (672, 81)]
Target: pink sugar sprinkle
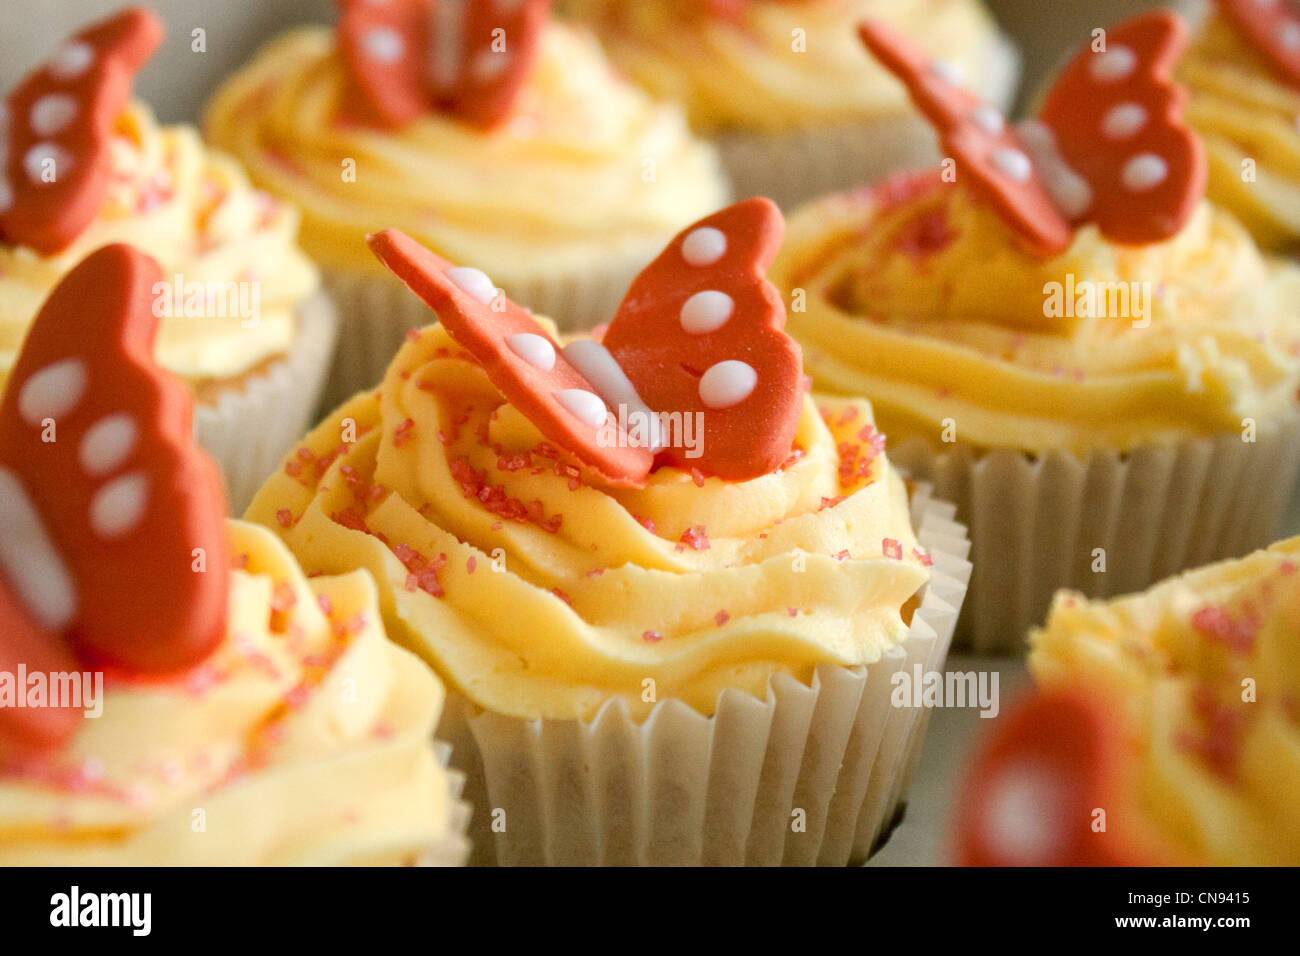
[(470, 564), (921, 556), (842, 555), (1216, 624), (793, 612), (698, 477), (326, 605), (892, 549), (1286, 567), (412, 335), (651, 636), (722, 617), (285, 517), (695, 538)]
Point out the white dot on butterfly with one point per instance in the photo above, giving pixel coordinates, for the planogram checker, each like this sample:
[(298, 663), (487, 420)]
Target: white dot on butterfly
[(533, 349), (489, 64), (727, 383), (383, 45), (948, 71), (1013, 163), (588, 407), (119, 505), (45, 156), (989, 119), (1022, 822), (473, 282), (1113, 65), (1144, 171), (71, 61), (706, 311), (107, 444), (704, 246), (1291, 36), (1124, 120), (52, 114), (53, 391)]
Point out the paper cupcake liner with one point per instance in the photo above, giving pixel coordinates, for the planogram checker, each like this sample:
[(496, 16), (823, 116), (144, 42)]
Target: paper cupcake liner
[(376, 312), (682, 788), (1035, 521), (452, 849), (249, 429), (793, 167)]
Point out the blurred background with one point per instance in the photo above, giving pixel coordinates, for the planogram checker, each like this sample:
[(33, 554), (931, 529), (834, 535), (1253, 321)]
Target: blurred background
[(177, 82)]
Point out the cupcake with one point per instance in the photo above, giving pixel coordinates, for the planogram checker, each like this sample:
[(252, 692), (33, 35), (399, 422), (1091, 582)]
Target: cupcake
[(244, 322), (173, 689), (666, 586), (517, 148), (1108, 396), (1164, 731), (782, 88), (1243, 73)]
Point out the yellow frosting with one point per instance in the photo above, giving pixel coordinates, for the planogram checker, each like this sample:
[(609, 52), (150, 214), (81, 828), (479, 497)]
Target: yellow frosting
[(304, 739), (926, 304), (576, 594), (1244, 110), (194, 211), (757, 73), (587, 167), (1203, 671)]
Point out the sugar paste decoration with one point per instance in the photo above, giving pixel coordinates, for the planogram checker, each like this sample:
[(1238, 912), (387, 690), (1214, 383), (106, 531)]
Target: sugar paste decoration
[(701, 330), (56, 127), (115, 551), (466, 58), (1109, 147)]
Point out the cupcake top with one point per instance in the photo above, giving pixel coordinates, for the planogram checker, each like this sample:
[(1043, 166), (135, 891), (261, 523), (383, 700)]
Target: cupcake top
[(1190, 736), (740, 530), (86, 167), (1244, 78), (173, 688), (973, 294), (776, 65), (524, 151)]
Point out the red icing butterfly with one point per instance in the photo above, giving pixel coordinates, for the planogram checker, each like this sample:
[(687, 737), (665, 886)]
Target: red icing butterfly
[(57, 164), (1273, 28), (467, 57), (1110, 146), (104, 496), (700, 332), (1032, 795)]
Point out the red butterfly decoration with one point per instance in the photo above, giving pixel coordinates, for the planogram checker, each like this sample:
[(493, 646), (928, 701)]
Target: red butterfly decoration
[(1031, 796), (60, 119), (469, 58), (1110, 146), (104, 495), (1273, 28), (700, 332)]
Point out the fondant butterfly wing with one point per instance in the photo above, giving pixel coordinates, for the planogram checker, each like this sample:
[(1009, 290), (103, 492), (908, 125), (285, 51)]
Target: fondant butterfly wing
[(701, 332), (26, 643), (1031, 796), (60, 123), (990, 159), (1273, 28), (384, 49), (470, 57), (518, 355), (479, 77), (127, 554), (1117, 118)]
